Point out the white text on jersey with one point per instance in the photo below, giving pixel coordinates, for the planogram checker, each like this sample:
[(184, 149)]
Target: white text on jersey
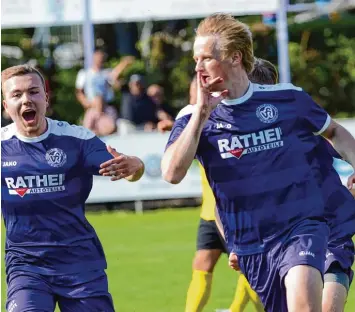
[(240, 145), (9, 163), (35, 184)]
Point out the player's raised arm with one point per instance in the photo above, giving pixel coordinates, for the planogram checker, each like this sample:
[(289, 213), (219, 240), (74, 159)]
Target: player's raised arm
[(185, 138)]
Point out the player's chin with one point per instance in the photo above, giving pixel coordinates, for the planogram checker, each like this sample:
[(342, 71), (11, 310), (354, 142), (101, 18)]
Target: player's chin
[(217, 88)]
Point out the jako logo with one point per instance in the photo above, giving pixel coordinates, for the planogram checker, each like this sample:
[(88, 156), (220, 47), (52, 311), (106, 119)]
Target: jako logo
[(9, 163), (240, 145)]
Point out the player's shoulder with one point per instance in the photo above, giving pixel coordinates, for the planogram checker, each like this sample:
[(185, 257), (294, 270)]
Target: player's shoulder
[(186, 111), (8, 132), (63, 128), (275, 87)]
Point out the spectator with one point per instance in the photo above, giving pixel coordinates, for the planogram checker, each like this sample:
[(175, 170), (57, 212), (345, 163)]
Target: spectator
[(164, 112), (95, 92), (137, 107)]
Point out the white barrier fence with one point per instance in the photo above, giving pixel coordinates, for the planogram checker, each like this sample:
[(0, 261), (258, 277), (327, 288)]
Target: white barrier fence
[(150, 148)]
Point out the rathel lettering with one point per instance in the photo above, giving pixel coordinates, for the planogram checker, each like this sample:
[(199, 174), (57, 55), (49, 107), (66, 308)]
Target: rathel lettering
[(240, 145), (35, 184)]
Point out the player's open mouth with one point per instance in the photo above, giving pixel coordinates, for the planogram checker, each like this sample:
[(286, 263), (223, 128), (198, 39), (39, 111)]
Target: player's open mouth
[(29, 115), (205, 78)]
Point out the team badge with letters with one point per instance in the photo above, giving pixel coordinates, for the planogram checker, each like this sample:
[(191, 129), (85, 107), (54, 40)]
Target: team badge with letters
[(56, 157), (267, 113)]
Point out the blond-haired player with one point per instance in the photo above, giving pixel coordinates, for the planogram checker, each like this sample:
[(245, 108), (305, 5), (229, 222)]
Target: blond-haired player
[(210, 244), (258, 145)]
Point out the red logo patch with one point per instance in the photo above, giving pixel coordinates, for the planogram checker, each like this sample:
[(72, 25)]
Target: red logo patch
[(21, 191), (237, 152)]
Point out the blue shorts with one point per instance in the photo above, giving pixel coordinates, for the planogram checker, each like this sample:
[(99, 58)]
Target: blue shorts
[(341, 251), (87, 291), (305, 245)]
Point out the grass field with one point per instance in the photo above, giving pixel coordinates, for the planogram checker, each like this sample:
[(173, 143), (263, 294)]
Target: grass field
[(149, 261)]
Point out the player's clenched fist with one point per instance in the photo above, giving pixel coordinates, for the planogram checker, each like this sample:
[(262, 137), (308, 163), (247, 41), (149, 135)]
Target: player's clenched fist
[(233, 261)]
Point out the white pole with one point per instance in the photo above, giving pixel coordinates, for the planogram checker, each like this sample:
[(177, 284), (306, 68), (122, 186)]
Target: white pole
[(282, 42), (88, 35)]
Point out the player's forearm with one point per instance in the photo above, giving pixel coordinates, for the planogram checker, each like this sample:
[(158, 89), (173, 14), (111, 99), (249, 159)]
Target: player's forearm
[(179, 156), (343, 142)]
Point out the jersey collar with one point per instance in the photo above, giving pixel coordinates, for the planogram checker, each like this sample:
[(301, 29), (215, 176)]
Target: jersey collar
[(36, 139), (242, 99)]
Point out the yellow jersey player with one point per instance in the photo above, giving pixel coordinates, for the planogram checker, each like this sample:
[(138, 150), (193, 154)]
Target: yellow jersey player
[(210, 243)]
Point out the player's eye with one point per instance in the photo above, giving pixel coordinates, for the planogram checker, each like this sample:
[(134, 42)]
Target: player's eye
[(16, 95), (34, 92)]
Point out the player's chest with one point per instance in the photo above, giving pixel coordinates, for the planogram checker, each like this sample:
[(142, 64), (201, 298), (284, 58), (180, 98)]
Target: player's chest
[(240, 132), (37, 166)]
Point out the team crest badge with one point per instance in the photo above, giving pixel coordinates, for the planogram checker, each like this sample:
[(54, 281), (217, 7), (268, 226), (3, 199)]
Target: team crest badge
[(56, 157), (267, 113)]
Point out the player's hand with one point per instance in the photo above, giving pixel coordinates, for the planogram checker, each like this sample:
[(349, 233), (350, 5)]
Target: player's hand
[(233, 261), (121, 166), (351, 181), (165, 125), (205, 100)]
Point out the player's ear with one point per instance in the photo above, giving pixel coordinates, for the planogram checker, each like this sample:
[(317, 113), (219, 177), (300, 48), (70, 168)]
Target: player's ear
[(47, 100), (4, 104), (237, 58)]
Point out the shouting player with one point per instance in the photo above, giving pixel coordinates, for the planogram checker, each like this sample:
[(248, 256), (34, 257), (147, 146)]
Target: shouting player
[(258, 148), (52, 253)]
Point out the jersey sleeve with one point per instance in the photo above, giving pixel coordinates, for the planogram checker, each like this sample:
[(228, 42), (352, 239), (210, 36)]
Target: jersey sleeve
[(94, 154), (316, 119), (178, 127)]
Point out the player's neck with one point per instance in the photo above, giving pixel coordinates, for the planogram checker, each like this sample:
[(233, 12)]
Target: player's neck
[(33, 133), (239, 85)]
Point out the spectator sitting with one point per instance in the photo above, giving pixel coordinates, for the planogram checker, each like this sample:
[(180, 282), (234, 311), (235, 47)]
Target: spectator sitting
[(137, 107), (95, 92), (164, 112)]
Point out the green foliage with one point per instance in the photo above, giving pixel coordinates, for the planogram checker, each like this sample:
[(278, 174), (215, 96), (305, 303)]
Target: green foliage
[(65, 105), (327, 71), (322, 56)]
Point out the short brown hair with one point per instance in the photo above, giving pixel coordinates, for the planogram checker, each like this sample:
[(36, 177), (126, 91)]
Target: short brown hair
[(19, 70), (234, 36), (264, 72)]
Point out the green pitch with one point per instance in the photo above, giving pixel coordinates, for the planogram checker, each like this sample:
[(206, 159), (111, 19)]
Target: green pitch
[(149, 261)]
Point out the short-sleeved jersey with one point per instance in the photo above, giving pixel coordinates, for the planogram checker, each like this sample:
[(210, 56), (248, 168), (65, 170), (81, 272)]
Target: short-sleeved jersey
[(259, 154), (45, 182)]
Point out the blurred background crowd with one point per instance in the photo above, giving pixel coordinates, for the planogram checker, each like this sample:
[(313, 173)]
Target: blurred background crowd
[(140, 71)]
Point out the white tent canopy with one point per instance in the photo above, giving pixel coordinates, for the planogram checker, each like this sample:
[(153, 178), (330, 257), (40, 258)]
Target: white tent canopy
[(33, 13)]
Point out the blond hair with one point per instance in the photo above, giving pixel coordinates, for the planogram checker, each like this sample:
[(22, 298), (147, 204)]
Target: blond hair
[(264, 72), (19, 70), (233, 35)]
